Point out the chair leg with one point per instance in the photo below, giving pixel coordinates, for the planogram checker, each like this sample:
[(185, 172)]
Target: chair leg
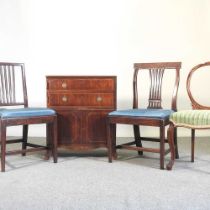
[(51, 141), (25, 138), (111, 140), (137, 137), (49, 137), (192, 144), (175, 142), (3, 145), (55, 142), (162, 146), (170, 134)]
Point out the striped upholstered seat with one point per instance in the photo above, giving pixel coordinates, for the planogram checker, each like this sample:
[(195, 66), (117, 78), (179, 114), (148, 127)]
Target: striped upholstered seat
[(191, 118)]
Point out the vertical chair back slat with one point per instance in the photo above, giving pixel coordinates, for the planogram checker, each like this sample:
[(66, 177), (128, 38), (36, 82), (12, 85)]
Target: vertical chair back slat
[(8, 83)]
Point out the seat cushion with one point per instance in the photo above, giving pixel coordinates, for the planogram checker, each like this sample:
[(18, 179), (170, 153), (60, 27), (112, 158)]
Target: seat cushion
[(191, 118), (26, 112), (149, 113)]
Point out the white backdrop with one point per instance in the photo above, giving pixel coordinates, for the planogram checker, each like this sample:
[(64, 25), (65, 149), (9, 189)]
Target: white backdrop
[(102, 37)]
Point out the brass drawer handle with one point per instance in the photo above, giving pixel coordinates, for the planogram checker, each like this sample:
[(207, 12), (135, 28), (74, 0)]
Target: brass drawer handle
[(64, 85), (99, 99), (64, 99)]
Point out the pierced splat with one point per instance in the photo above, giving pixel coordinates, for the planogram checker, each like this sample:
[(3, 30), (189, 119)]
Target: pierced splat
[(156, 76)]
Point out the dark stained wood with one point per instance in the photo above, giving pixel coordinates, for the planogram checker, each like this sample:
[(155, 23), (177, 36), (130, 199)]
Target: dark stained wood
[(155, 88), (82, 104), (192, 144), (9, 96), (156, 72), (171, 145)]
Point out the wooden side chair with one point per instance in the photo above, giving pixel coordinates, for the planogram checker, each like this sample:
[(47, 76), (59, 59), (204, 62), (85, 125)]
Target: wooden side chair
[(152, 115), (15, 112), (197, 118)]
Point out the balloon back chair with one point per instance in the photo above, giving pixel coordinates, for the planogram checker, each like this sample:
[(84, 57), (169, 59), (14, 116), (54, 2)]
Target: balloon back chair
[(196, 118), (15, 112), (152, 115)]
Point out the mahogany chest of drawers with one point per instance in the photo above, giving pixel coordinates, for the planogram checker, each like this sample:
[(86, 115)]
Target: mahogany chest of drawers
[(82, 104)]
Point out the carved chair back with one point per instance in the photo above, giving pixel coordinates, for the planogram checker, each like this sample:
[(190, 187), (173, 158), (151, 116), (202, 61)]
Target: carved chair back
[(195, 104), (156, 73)]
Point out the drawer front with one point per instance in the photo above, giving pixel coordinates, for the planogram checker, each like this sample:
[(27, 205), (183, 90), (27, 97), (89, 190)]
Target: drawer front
[(79, 99), (81, 84)]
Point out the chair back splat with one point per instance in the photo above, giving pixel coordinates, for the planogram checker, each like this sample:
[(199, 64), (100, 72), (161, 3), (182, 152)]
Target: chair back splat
[(15, 111), (153, 115), (156, 73)]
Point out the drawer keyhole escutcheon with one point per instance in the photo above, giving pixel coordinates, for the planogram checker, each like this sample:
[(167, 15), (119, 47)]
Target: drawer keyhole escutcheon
[(64, 99), (64, 85), (99, 99)]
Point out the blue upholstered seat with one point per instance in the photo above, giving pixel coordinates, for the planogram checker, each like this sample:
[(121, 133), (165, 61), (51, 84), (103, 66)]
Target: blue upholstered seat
[(150, 113), (25, 112)]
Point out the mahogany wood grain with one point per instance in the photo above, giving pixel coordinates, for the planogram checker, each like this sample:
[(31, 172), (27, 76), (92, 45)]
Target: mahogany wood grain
[(82, 104)]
